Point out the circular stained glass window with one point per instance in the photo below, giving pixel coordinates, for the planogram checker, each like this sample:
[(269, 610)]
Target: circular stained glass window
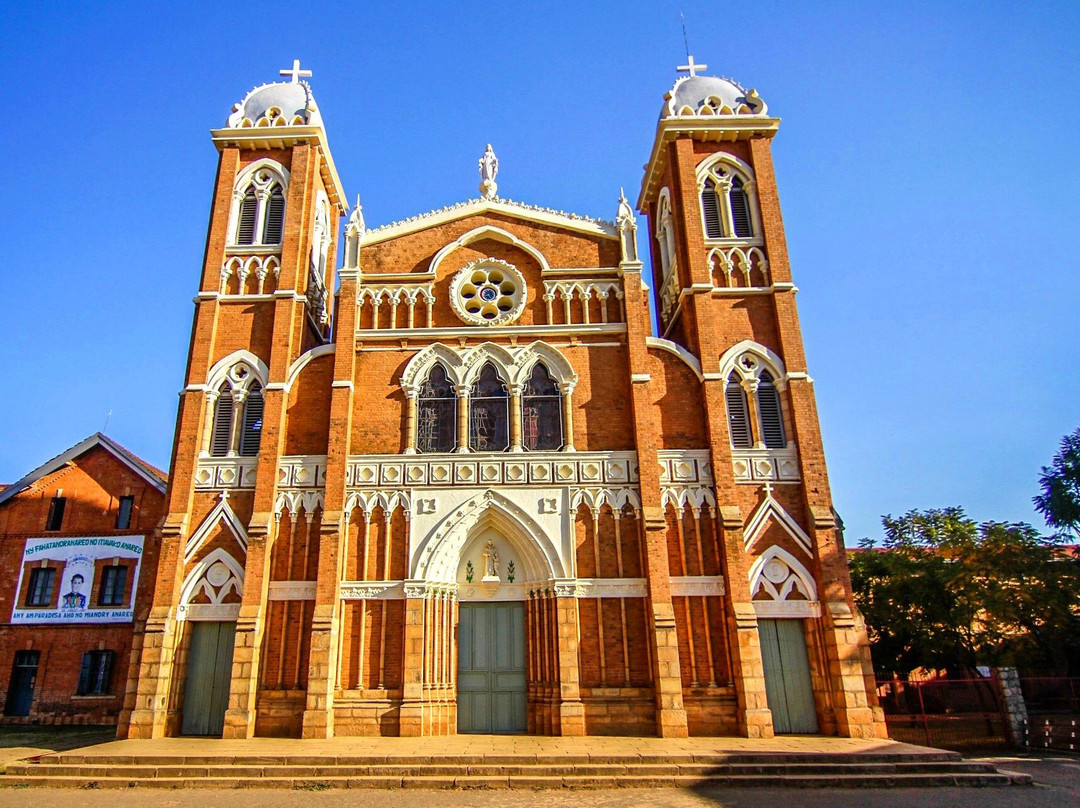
[(488, 292)]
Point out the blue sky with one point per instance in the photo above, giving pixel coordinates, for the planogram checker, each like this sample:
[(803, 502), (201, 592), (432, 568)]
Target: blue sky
[(926, 161)]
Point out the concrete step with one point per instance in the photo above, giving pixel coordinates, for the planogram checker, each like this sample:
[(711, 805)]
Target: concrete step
[(863, 780), (501, 770)]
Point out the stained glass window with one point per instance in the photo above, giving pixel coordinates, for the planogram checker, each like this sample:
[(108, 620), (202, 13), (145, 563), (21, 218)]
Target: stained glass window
[(488, 411), (541, 411)]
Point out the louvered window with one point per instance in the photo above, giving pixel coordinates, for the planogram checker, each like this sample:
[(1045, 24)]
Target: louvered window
[(488, 411), (41, 587), (710, 204), (772, 419), (221, 438), (738, 414), (275, 217), (245, 228), (436, 428), (95, 673), (252, 424), (123, 513), (541, 411), (740, 209), (113, 586)]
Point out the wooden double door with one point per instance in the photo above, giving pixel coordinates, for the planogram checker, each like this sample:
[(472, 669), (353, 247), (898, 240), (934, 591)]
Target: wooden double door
[(209, 676), (491, 668), (788, 687)]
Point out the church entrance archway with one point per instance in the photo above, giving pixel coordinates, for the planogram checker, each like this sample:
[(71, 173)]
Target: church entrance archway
[(209, 674), (491, 668)]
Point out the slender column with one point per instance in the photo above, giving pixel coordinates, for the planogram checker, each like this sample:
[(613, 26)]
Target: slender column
[(571, 710), (548, 298), (411, 403), (566, 296), (515, 418), (395, 299), (586, 297), (567, 392), (411, 721), (462, 418), (362, 644), (237, 428)]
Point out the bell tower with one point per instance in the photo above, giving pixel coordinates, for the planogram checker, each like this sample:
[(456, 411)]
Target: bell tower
[(725, 294), (265, 298)]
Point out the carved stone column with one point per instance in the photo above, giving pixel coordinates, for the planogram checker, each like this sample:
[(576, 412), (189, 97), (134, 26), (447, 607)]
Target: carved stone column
[(462, 418), (567, 391), (410, 421), (515, 418)]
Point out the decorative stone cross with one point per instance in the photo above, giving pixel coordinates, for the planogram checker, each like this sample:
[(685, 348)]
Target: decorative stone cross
[(690, 67), (298, 74)]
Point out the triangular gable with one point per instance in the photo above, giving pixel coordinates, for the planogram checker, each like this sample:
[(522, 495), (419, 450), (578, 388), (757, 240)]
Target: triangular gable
[(221, 513), (153, 476), (770, 509), (472, 207)]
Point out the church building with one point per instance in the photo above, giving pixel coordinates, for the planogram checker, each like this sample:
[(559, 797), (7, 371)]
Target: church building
[(460, 484)]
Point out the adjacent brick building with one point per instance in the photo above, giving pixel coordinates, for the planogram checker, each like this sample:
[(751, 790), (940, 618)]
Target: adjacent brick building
[(474, 491), (77, 545)]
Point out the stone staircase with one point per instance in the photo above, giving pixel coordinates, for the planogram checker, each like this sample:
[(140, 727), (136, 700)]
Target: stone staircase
[(889, 769)]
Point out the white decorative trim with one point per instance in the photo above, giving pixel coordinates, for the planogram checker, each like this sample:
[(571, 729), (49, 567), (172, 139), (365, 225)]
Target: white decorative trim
[(216, 576), (222, 369), (368, 500), (371, 590), (472, 207), (345, 384), (215, 473), (487, 232), (615, 497), (640, 378), (761, 465), (208, 612), (697, 586), (778, 574), (291, 590), (787, 609), (696, 496), (302, 471), (685, 466), (463, 365), (529, 468), (603, 588), (730, 357), (221, 513), (746, 260), (296, 501), (677, 350), (453, 332), (242, 266), (303, 360), (770, 509)]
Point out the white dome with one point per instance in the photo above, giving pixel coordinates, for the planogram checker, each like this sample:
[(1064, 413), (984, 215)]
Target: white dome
[(277, 104), (709, 95)]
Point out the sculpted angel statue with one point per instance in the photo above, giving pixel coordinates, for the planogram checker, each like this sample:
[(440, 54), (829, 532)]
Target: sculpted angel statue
[(489, 167)]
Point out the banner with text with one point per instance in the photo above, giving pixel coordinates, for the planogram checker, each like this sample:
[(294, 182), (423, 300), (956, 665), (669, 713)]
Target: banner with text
[(74, 562)]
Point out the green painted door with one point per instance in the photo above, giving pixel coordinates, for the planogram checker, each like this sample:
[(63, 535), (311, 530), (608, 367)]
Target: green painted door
[(209, 673), (787, 676), (491, 668)]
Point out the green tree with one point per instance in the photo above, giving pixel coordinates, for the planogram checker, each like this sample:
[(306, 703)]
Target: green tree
[(1059, 502), (945, 592)]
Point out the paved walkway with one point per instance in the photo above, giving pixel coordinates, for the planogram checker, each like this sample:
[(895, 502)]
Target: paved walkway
[(466, 745)]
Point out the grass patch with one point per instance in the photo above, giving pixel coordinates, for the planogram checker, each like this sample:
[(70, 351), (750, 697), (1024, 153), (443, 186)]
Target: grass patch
[(311, 785)]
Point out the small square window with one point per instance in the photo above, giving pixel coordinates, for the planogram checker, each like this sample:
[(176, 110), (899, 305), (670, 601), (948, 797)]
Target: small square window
[(56, 513), (40, 590), (95, 673), (123, 515), (113, 586)]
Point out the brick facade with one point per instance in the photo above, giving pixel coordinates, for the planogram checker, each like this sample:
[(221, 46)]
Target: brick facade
[(92, 478), (646, 547)]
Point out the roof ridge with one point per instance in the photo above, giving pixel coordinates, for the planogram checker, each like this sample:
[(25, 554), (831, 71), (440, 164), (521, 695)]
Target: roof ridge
[(498, 200)]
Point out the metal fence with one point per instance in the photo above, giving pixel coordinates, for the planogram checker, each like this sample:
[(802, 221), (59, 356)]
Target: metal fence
[(956, 714), (1053, 707)]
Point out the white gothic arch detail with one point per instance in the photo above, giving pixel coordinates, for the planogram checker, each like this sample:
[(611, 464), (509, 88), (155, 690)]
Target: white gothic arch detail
[(778, 574), (223, 514), (216, 576)]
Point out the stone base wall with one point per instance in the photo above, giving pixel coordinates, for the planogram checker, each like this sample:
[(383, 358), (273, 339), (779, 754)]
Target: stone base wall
[(619, 711), (280, 713), (711, 711)]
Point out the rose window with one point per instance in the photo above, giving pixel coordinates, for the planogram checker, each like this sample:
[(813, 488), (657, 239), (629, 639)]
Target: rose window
[(488, 292)]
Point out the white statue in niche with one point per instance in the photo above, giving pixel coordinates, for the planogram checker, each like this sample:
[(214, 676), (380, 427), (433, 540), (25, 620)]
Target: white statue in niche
[(489, 167), (491, 561)]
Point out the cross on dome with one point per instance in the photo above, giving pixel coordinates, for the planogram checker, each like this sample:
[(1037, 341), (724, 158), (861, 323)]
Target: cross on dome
[(690, 67), (296, 73)]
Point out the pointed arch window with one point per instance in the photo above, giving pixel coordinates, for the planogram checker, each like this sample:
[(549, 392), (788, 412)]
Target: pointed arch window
[(772, 419), (221, 437), (541, 411), (437, 413), (738, 413), (727, 205), (251, 427), (489, 407), (259, 212)]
